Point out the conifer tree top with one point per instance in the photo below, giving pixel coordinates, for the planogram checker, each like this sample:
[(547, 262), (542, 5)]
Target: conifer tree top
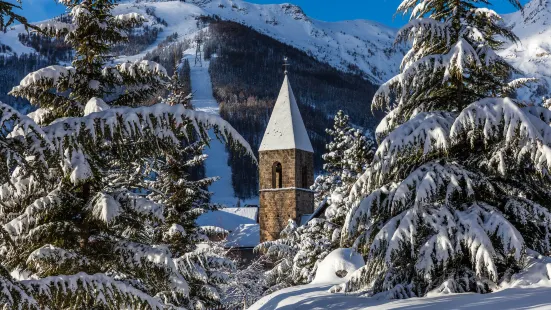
[(286, 129)]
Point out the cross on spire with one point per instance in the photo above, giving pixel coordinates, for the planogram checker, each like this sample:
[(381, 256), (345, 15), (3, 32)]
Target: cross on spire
[(285, 64)]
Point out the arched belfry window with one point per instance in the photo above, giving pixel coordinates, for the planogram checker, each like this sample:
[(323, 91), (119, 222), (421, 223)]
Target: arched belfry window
[(304, 177), (277, 175)]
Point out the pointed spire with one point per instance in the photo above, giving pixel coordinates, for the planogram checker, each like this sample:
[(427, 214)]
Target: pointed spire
[(286, 129)]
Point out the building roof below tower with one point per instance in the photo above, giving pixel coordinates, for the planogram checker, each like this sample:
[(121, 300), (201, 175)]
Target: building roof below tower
[(240, 222)]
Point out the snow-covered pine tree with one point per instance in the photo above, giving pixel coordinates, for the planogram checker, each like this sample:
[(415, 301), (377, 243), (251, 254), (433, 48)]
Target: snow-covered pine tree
[(115, 210), (349, 151), (298, 251), (459, 186), (246, 284), (98, 221), (206, 268), (92, 33), (347, 156), (177, 93)]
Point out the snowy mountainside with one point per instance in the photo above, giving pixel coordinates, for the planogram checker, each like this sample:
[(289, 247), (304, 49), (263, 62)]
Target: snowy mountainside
[(357, 46), (532, 54), (361, 46)]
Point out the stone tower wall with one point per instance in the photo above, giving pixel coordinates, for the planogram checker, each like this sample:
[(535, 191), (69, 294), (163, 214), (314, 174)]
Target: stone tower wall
[(289, 202)]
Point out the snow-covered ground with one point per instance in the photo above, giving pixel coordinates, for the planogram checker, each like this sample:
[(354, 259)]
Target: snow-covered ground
[(529, 289), (316, 296), (217, 161)]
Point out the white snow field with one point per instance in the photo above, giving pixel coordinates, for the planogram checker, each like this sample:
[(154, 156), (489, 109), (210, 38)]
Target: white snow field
[(216, 163), (529, 289), (316, 296)]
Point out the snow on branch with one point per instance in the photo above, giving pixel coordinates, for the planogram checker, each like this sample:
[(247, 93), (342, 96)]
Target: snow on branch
[(445, 232), (92, 290), (424, 133), (160, 121), (213, 231), (33, 214), (518, 83), (360, 215), (95, 105), (141, 66), (424, 29), (50, 259), (13, 295), (130, 19), (105, 208), (461, 58), (55, 28), (500, 119), (51, 74), (430, 182), (486, 13), (540, 112), (154, 261), (21, 140)]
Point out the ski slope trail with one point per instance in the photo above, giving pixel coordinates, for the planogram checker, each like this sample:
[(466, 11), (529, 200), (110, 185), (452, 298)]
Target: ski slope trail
[(217, 162)]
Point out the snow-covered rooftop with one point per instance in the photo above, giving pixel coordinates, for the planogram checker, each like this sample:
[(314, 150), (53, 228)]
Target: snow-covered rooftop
[(244, 236), (286, 129), (229, 218), (240, 222)]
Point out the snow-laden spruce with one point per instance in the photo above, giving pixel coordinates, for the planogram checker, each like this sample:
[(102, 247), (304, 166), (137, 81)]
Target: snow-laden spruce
[(459, 185), (115, 222), (64, 91), (298, 252), (98, 202), (14, 295), (347, 155)]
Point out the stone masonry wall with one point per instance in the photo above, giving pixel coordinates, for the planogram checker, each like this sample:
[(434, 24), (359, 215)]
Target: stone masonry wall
[(267, 159), (278, 206)]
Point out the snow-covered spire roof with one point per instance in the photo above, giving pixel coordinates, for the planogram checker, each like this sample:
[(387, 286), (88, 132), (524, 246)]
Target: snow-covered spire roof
[(286, 129)]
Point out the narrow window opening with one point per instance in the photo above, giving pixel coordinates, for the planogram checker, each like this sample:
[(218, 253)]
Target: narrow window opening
[(277, 175), (304, 177)]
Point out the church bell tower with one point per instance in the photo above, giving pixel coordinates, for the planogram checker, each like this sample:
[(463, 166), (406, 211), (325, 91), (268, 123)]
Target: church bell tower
[(286, 164)]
